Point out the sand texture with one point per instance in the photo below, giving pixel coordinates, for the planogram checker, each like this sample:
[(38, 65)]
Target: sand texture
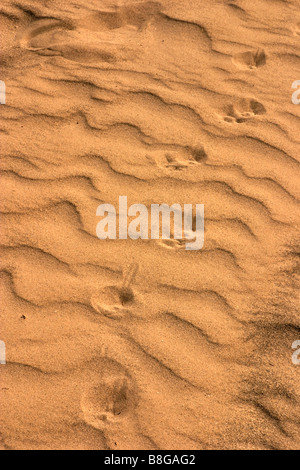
[(140, 344)]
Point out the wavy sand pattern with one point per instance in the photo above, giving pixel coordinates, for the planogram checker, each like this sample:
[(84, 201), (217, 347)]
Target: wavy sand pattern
[(140, 344)]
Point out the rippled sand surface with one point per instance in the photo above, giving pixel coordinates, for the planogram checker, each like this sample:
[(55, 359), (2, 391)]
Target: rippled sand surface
[(177, 101)]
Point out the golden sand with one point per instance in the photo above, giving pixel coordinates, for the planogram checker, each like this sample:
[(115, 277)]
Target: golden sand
[(124, 344)]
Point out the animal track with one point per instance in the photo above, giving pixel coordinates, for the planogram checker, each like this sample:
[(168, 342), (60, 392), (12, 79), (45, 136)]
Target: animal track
[(110, 402), (178, 159), (174, 163), (54, 38), (116, 302), (136, 16), (250, 60), (296, 29), (44, 34), (76, 43), (244, 111), (173, 244)]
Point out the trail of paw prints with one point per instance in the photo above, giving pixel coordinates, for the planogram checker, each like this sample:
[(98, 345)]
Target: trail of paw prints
[(118, 302), (110, 405), (250, 60), (245, 110)]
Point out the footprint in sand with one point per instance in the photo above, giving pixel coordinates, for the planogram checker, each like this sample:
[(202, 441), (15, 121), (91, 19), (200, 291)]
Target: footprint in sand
[(110, 406), (177, 164), (173, 244), (244, 111), (54, 38), (106, 35), (296, 29), (175, 159), (103, 36), (42, 35), (136, 17), (110, 402), (117, 302), (250, 60)]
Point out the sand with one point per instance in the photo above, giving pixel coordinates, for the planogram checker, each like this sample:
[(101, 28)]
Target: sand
[(140, 344)]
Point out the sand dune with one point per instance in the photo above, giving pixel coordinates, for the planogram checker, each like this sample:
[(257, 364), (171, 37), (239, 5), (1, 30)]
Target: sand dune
[(124, 344)]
